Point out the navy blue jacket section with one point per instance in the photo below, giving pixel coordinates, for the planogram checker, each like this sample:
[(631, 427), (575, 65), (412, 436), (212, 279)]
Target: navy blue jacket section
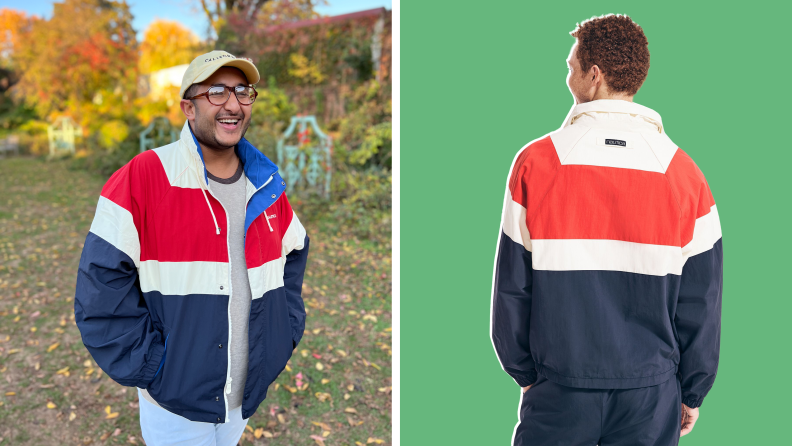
[(115, 324), (608, 329), (698, 323), (511, 309), (197, 349)]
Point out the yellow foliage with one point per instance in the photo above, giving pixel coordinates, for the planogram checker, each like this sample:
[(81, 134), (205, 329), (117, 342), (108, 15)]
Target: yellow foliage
[(165, 44), (113, 132), (304, 70)]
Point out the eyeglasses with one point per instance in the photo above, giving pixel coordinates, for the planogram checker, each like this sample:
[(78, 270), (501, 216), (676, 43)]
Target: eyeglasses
[(219, 94)]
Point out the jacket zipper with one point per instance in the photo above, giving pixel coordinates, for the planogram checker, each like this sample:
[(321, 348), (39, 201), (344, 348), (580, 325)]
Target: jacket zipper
[(226, 387)]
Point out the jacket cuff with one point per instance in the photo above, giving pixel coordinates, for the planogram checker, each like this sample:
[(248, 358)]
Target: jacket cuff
[(152, 365), (525, 379), (692, 402)]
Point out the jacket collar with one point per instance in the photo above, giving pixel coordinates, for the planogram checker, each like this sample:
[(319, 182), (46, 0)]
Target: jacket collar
[(258, 168), (603, 107)]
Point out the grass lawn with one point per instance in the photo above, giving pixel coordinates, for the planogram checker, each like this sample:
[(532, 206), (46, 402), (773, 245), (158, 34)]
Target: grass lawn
[(336, 389)]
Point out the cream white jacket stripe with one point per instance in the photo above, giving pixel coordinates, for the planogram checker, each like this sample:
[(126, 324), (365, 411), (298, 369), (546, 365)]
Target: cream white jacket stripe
[(115, 225)]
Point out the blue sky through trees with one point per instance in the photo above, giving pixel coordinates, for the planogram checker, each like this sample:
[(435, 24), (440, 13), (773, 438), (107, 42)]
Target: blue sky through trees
[(187, 12)]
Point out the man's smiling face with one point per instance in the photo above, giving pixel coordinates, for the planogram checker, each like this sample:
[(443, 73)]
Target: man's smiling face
[(220, 127)]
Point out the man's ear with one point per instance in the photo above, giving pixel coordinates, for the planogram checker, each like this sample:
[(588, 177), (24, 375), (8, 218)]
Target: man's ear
[(188, 108)]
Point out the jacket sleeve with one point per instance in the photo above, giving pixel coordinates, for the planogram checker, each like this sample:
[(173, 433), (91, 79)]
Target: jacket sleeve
[(512, 281), (109, 309), (295, 251), (698, 310)]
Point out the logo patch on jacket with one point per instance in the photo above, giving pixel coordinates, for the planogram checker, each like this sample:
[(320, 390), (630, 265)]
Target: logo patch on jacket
[(615, 142)]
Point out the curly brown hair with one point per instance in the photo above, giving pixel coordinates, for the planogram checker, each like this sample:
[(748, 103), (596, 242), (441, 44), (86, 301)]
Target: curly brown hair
[(618, 46)]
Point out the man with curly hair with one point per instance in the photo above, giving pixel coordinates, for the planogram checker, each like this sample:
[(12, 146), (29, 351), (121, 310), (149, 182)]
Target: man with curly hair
[(608, 281)]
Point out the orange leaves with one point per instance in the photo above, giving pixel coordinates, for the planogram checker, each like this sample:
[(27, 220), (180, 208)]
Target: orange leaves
[(53, 347)]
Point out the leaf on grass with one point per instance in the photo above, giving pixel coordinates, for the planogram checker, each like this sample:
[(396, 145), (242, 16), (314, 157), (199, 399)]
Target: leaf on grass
[(290, 388), (342, 353), (110, 416), (325, 380), (13, 350), (64, 371), (374, 440), (117, 432), (51, 405), (288, 369), (267, 434), (384, 389), (281, 420), (350, 410), (319, 440), (346, 396), (104, 436), (72, 416), (258, 432), (53, 347), (321, 396), (354, 423), (248, 428), (324, 426), (319, 366), (10, 393), (304, 353), (351, 387)]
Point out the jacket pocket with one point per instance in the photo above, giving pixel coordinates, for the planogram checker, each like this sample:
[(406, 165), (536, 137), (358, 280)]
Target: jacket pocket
[(158, 375), (280, 343)]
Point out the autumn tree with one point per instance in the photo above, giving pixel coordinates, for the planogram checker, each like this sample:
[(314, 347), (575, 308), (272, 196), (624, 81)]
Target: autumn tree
[(232, 20), (167, 43), (82, 61), (13, 25)]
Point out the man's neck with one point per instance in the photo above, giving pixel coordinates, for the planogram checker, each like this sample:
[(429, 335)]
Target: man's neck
[(608, 95), (220, 163)]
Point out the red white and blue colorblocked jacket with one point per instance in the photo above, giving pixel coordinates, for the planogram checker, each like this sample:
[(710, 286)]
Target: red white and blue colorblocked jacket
[(609, 268), (154, 280)]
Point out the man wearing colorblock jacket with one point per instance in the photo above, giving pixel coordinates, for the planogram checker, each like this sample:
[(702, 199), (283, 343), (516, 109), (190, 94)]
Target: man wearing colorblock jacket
[(189, 284), (606, 303)]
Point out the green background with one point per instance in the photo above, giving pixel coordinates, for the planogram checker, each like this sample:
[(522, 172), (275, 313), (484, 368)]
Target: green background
[(478, 81)]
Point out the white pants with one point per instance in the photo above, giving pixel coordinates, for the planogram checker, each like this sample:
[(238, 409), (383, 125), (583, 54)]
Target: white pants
[(163, 428)]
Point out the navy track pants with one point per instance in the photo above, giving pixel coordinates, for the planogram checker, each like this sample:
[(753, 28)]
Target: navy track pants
[(552, 414)]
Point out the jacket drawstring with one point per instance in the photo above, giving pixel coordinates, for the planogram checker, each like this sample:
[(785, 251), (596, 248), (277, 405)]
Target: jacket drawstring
[(209, 205), (267, 217)]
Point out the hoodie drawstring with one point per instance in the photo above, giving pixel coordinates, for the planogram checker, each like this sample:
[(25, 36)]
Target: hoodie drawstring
[(217, 228)]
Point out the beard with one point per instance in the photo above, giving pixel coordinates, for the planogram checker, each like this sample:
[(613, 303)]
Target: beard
[(206, 131)]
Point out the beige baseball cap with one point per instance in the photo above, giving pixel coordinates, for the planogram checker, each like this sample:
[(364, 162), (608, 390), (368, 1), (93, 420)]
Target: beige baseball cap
[(205, 65)]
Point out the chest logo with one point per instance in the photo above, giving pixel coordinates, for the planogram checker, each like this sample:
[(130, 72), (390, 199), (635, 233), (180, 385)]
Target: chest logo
[(616, 142)]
